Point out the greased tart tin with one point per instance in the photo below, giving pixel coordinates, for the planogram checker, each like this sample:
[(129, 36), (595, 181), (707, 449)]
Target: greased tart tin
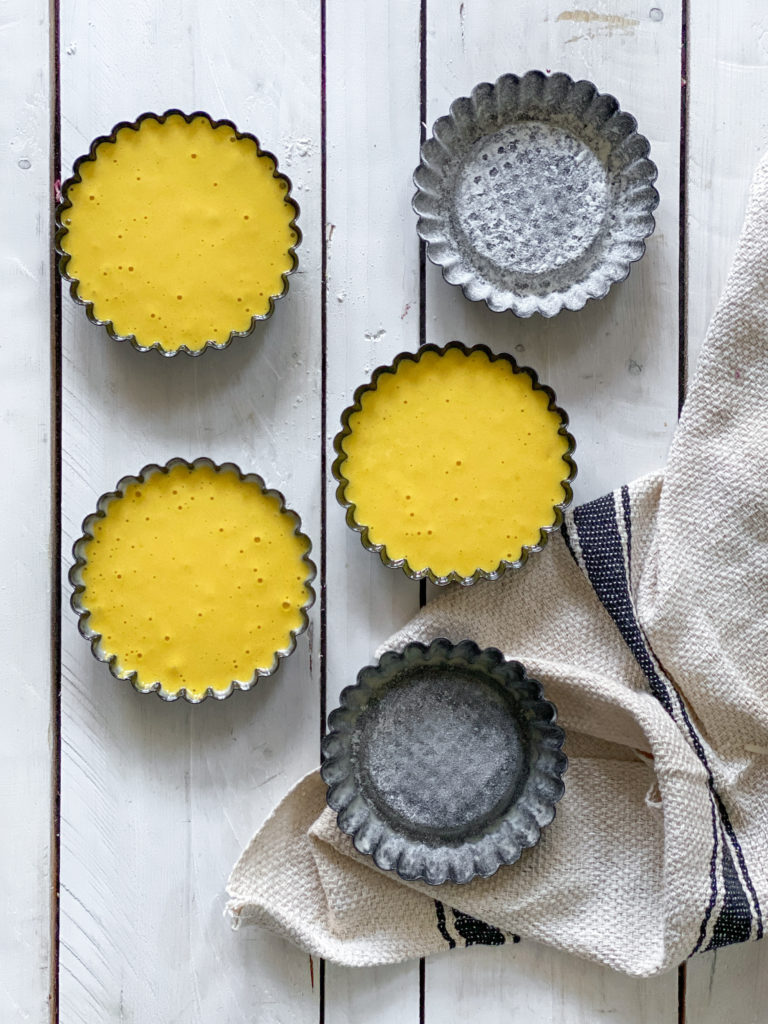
[(443, 762), (177, 232), (454, 463), (192, 580), (535, 193)]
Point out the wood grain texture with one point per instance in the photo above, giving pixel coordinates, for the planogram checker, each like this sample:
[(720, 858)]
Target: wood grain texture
[(728, 133), (158, 800), (373, 313), (728, 985), (613, 366), (25, 545), (527, 982)]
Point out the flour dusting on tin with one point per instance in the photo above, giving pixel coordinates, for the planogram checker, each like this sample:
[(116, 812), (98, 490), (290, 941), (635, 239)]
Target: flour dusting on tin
[(535, 194), (531, 197), (442, 753), (443, 762)]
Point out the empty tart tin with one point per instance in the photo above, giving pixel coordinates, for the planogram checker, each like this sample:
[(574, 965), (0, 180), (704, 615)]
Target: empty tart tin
[(454, 464), (535, 193), (192, 580), (177, 232), (443, 762)]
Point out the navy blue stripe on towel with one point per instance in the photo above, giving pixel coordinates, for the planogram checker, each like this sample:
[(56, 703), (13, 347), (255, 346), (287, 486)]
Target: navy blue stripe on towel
[(606, 559), (729, 870), (713, 882), (734, 923), (602, 555)]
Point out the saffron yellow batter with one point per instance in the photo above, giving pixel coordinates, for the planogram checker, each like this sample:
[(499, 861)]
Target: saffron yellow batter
[(178, 233), (195, 578), (455, 462)]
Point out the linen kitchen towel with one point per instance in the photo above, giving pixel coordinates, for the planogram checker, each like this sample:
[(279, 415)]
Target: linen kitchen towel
[(646, 620)]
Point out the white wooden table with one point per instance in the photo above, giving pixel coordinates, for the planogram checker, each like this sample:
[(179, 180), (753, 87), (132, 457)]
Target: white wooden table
[(156, 800)]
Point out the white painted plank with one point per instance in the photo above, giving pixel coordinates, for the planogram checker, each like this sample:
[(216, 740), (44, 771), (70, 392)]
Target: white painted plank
[(25, 551), (527, 982), (158, 800), (728, 985), (613, 366), (372, 995), (728, 133), (373, 313)]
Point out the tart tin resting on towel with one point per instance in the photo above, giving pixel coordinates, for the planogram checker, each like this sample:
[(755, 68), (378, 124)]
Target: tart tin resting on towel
[(443, 762), (535, 193), (66, 204), (79, 604)]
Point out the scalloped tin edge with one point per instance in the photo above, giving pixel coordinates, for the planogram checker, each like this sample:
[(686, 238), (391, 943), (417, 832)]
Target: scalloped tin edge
[(439, 649), (569, 302), (62, 230), (75, 579), (402, 563)]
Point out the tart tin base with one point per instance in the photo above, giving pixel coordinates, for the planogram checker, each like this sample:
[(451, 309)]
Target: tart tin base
[(535, 193), (402, 563), (79, 551), (443, 762), (74, 283)]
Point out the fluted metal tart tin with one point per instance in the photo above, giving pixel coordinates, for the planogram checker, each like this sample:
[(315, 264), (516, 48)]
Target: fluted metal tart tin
[(535, 193), (64, 257), (77, 599), (402, 563), (443, 762)]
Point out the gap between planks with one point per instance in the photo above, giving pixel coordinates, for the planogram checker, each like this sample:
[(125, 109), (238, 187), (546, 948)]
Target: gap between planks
[(422, 340), (56, 512), (323, 415)]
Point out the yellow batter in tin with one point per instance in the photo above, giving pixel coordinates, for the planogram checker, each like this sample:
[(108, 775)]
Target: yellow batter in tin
[(178, 233), (195, 578), (455, 462)]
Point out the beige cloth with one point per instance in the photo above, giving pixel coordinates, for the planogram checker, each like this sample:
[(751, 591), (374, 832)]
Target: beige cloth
[(646, 623)]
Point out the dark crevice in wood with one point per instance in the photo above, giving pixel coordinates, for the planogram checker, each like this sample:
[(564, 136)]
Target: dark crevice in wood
[(422, 336), (422, 990), (323, 417), (321, 990), (682, 977), (56, 516), (682, 347), (422, 244), (422, 139), (323, 368)]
